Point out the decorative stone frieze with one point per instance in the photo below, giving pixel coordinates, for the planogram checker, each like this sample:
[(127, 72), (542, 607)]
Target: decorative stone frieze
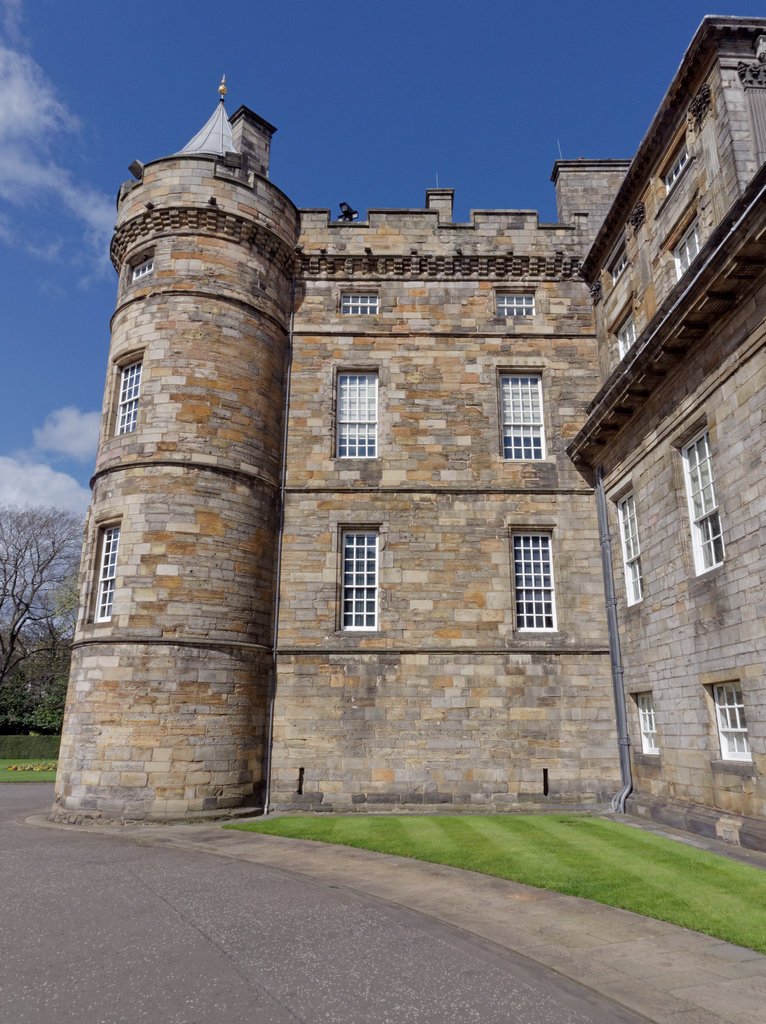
[(205, 220), (544, 266)]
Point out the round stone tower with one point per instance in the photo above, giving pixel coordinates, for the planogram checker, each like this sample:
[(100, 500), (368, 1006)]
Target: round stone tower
[(167, 707)]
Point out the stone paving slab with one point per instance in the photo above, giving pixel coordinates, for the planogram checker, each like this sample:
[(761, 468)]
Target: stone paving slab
[(670, 975)]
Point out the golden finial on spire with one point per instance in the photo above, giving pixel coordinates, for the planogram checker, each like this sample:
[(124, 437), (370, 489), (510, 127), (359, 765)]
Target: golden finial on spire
[(222, 90)]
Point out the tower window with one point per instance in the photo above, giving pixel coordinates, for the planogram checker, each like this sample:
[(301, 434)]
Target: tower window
[(515, 304), (357, 423), (110, 540), (618, 264), (352, 304), (521, 405), (533, 577), (142, 269), (360, 580), (127, 408)]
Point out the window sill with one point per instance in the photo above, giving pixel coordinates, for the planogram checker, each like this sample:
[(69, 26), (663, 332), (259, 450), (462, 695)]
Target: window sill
[(745, 768), (640, 758)]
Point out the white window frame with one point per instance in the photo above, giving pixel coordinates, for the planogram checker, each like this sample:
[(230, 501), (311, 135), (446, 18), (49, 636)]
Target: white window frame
[(515, 304), (647, 723), (704, 513), (359, 304), (143, 268), (687, 249), (359, 580), (618, 263), (356, 426), (534, 591), (127, 405), (521, 413), (626, 335), (674, 172), (731, 721), (631, 549), (107, 572)]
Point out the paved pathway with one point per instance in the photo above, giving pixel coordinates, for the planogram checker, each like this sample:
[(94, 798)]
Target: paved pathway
[(321, 933)]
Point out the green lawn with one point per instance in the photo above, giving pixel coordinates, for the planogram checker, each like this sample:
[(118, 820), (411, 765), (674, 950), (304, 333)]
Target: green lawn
[(30, 772), (578, 855)]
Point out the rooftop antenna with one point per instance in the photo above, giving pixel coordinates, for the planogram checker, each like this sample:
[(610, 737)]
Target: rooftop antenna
[(437, 179), (559, 145)]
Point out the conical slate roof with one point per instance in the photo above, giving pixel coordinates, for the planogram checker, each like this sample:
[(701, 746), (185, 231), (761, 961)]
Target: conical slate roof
[(215, 136)]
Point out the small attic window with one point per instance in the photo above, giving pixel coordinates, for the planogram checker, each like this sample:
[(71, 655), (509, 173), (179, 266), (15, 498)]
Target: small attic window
[(618, 263), (142, 269)]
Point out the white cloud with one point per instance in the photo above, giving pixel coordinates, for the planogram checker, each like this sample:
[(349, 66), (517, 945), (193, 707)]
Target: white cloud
[(34, 483), (69, 432), (31, 117)]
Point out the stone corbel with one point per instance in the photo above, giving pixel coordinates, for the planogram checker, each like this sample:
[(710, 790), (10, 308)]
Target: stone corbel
[(596, 292), (699, 107), (638, 216), (753, 76)]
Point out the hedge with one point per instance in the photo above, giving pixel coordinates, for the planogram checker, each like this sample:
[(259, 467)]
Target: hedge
[(29, 746)]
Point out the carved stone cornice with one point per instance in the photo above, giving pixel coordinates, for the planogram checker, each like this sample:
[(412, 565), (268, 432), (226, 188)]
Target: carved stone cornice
[(638, 216), (753, 76), (199, 220), (596, 292), (541, 266), (699, 107)]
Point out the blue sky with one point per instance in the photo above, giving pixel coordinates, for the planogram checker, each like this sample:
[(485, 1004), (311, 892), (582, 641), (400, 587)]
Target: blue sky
[(372, 102)]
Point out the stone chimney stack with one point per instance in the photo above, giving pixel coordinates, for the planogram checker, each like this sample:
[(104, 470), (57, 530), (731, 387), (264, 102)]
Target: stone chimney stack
[(252, 138)]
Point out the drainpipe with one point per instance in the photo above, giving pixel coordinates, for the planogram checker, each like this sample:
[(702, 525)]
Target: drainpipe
[(623, 740), (278, 568)]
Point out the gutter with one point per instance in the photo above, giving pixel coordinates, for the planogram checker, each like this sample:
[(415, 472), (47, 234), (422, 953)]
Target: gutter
[(615, 655), (278, 569)]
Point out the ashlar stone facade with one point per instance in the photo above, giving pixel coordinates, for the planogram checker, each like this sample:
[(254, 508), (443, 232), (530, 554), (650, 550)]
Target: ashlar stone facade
[(363, 488)]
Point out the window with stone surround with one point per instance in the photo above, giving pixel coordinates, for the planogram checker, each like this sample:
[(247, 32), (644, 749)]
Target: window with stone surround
[(631, 552), (107, 568), (647, 723), (618, 263), (515, 304), (732, 725), (533, 581), (686, 250), (360, 580), (707, 536), (521, 408), (127, 406), (353, 304), (673, 173), (143, 269), (357, 416), (626, 335)]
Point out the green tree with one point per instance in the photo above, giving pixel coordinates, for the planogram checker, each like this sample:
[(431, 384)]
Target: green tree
[(39, 555)]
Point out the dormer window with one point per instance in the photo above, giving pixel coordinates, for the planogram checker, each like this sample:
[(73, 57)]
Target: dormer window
[(674, 172), (618, 263)]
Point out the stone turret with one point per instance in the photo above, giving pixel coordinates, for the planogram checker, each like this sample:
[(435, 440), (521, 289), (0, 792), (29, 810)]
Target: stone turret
[(168, 697)]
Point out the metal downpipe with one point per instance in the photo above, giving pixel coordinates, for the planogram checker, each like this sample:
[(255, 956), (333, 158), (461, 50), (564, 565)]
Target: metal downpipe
[(623, 740), (278, 568)]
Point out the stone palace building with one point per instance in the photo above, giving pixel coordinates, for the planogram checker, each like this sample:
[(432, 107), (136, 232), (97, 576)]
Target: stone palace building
[(403, 514)]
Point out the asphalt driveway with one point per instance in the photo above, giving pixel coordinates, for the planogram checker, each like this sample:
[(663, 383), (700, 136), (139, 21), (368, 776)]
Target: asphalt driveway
[(97, 929)]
